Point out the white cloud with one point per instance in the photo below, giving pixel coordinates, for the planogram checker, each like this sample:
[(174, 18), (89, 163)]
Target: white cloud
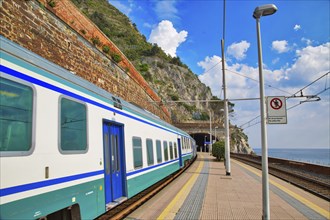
[(167, 37), (307, 41), (274, 61), (166, 10), (297, 27), (238, 50), (311, 62), (281, 46), (314, 115), (212, 77)]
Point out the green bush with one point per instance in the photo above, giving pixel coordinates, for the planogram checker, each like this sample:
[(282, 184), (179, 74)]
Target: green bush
[(96, 41), (52, 3), (218, 150), (204, 116), (143, 67), (174, 97), (106, 49), (116, 57)]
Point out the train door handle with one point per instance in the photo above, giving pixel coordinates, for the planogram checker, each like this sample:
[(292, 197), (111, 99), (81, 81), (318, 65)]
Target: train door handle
[(46, 172)]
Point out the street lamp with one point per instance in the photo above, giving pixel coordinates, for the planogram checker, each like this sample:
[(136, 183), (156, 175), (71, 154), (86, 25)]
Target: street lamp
[(260, 11)]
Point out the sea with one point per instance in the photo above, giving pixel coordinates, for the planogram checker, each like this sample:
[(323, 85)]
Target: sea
[(314, 156)]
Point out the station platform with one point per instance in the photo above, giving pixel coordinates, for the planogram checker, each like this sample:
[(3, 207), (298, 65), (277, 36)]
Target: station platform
[(204, 191)]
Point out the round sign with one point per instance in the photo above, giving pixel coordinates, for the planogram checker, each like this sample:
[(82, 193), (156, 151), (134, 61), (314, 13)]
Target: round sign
[(276, 103)]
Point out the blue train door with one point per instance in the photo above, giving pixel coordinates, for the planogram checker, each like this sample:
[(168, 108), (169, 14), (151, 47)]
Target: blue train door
[(114, 162), (180, 152)]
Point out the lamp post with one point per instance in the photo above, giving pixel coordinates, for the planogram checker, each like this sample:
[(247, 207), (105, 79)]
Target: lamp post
[(260, 11)]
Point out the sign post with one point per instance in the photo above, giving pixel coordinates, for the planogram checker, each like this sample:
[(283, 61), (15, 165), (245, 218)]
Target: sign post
[(276, 110)]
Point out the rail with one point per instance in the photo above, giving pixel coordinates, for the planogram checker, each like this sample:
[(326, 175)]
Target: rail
[(312, 178), (124, 209)]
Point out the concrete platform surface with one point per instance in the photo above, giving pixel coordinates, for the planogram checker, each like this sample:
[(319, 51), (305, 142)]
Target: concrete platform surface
[(205, 192)]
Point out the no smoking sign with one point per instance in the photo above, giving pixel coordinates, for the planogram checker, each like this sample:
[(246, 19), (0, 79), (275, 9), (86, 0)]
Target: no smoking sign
[(276, 103), (276, 110)]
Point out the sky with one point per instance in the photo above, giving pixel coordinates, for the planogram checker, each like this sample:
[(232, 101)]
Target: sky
[(296, 53)]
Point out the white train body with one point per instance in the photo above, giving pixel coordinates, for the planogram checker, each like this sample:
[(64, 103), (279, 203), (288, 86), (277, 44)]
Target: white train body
[(68, 145)]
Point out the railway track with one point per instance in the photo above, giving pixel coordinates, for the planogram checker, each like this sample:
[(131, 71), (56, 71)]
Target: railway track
[(310, 177), (124, 209)]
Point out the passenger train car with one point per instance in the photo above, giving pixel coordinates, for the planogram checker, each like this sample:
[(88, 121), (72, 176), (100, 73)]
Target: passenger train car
[(70, 149)]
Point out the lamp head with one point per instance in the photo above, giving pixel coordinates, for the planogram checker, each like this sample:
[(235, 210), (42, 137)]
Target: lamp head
[(264, 10)]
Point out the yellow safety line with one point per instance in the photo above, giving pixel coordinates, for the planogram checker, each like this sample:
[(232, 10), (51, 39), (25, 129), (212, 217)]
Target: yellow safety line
[(308, 203), (183, 193)]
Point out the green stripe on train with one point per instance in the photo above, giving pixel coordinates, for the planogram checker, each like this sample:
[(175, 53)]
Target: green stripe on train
[(139, 183), (89, 196)]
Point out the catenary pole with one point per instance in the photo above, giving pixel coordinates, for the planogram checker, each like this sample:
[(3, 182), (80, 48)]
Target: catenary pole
[(227, 139)]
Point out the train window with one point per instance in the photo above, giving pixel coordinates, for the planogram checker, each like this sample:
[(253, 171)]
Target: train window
[(73, 127), (150, 152), (171, 150), (159, 151), (165, 151), (16, 116), (117, 103), (137, 152), (175, 151), (114, 153)]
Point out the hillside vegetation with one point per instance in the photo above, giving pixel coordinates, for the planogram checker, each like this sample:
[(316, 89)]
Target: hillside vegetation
[(168, 76), (171, 79)]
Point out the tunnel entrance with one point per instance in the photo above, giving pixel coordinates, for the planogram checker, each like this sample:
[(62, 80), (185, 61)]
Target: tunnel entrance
[(202, 141)]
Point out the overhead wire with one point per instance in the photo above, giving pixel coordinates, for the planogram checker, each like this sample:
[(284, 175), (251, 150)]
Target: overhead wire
[(292, 96), (250, 121), (299, 91), (239, 74), (268, 85), (308, 98)]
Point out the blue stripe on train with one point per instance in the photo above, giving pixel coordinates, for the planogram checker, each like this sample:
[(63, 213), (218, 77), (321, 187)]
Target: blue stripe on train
[(71, 94), (31, 186), (157, 165), (36, 185)]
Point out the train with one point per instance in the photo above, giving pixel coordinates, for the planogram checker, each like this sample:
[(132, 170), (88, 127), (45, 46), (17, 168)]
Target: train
[(71, 150)]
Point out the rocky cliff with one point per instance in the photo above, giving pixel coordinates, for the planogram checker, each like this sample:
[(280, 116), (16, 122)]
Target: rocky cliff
[(180, 89)]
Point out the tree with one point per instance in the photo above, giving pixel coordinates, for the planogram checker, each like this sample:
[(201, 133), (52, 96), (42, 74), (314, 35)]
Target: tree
[(218, 150)]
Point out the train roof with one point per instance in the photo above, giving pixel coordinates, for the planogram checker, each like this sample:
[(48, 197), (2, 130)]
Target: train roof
[(16, 50)]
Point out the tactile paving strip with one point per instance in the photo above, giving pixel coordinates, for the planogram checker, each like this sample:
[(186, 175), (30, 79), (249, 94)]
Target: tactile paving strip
[(192, 206)]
